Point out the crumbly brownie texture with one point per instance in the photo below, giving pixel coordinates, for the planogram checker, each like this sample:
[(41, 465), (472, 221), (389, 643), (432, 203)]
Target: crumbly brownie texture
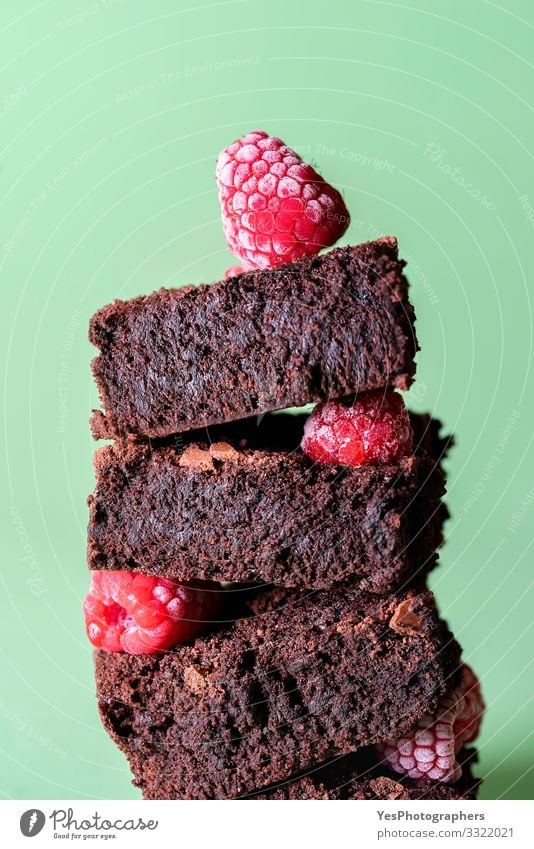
[(306, 678), (360, 775), (322, 327), (251, 506)]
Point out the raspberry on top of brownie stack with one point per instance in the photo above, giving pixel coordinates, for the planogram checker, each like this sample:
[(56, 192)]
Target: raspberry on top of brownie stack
[(257, 596)]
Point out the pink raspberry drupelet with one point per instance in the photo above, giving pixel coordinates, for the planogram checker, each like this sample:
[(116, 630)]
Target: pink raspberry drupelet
[(275, 207), (430, 749), (374, 429), (142, 614), (234, 270)]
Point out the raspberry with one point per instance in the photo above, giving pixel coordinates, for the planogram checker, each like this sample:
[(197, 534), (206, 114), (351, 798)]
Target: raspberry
[(430, 749), (142, 614), (275, 207), (374, 429)]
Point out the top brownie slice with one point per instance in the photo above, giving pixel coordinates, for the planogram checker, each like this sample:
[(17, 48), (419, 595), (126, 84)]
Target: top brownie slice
[(323, 327)]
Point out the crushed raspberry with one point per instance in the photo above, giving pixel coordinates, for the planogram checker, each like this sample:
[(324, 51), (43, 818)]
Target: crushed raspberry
[(430, 749), (374, 429), (142, 614), (275, 207)]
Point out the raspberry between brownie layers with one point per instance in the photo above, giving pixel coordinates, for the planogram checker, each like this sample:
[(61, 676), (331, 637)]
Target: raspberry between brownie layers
[(306, 678), (250, 506), (322, 327)]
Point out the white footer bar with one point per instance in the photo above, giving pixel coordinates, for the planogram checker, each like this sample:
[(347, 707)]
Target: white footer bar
[(264, 825)]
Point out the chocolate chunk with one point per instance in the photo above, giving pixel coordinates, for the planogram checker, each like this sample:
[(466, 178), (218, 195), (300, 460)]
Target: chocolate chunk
[(405, 620)]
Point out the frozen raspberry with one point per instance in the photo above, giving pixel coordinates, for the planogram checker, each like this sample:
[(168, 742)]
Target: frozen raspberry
[(141, 614), (430, 749), (275, 207), (374, 429)]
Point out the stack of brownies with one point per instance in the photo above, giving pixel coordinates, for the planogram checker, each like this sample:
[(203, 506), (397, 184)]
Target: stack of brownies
[(312, 663)]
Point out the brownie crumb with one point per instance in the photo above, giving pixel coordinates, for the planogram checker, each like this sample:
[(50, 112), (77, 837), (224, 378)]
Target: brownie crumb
[(386, 788), (224, 452), (196, 458)]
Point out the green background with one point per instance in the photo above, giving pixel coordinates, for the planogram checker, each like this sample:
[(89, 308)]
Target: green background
[(112, 115)]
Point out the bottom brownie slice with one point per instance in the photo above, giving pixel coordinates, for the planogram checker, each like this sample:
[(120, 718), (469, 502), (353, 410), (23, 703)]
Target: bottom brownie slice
[(304, 679), (361, 775)]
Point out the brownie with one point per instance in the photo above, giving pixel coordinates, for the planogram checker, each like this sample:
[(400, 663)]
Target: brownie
[(360, 775), (250, 506), (305, 678), (322, 327)]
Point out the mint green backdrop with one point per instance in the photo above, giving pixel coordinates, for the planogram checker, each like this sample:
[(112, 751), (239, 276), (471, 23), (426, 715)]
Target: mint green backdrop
[(112, 114)]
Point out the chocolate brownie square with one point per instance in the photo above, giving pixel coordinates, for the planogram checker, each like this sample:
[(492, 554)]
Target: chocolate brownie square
[(305, 678), (322, 327), (243, 503)]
